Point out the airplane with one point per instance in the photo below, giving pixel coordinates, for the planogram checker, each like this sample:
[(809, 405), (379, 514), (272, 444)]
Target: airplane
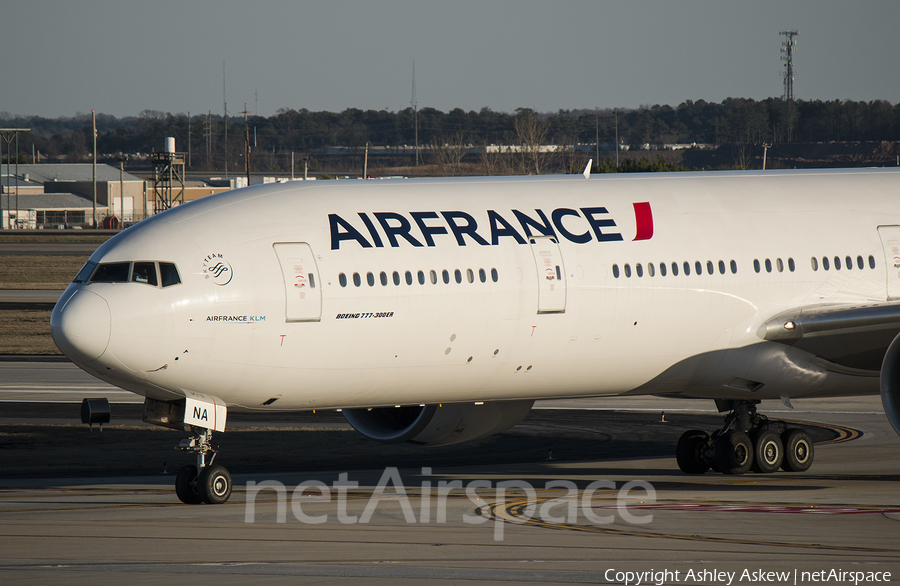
[(436, 311)]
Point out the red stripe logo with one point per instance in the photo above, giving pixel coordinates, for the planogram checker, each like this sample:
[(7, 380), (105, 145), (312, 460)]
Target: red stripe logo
[(643, 217)]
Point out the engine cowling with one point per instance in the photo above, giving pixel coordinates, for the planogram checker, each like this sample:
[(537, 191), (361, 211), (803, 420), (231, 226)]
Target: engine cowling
[(890, 383), (437, 425)]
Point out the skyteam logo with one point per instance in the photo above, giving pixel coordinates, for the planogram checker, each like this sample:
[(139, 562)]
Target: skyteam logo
[(217, 269)]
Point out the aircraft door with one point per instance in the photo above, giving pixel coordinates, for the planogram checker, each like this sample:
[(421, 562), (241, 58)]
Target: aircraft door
[(551, 274), (890, 241), (302, 287)]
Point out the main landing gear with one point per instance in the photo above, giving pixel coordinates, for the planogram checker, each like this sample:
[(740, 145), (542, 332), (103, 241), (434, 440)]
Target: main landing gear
[(747, 441), (206, 482)]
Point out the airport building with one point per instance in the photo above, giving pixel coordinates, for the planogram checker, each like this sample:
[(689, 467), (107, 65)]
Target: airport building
[(62, 196)]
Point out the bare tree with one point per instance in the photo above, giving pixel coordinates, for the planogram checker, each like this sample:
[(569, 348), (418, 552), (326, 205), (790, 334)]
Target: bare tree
[(531, 132), (493, 161), (449, 152)]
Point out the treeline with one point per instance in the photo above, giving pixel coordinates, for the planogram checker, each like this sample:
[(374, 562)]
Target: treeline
[(733, 121)]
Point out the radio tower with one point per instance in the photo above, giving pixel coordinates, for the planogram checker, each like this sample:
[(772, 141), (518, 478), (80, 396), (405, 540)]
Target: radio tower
[(414, 105), (788, 46)]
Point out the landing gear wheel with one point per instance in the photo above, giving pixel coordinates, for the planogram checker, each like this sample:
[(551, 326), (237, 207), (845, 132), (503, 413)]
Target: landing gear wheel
[(688, 453), (798, 451), (734, 452), (214, 484), (768, 451), (185, 487)]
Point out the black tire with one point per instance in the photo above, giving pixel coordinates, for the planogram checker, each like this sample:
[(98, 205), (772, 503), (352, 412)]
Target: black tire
[(185, 487), (798, 451), (688, 452), (214, 484), (734, 452), (768, 451)]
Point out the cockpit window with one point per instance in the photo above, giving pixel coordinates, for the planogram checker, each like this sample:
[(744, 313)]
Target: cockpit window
[(144, 272), (114, 272), (168, 274), (85, 273)]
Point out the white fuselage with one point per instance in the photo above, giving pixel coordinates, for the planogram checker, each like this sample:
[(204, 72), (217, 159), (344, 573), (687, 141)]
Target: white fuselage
[(267, 307)]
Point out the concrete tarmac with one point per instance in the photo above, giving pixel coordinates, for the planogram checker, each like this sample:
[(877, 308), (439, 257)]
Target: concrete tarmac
[(554, 521)]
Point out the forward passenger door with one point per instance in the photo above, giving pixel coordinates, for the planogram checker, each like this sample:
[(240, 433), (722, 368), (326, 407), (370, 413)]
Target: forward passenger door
[(302, 287)]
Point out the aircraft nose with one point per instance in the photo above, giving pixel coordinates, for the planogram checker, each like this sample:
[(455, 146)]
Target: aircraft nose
[(80, 326)]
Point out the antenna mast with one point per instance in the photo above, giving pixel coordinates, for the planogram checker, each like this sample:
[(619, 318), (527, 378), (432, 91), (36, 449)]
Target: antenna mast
[(788, 46), (414, 105), (225, 108)]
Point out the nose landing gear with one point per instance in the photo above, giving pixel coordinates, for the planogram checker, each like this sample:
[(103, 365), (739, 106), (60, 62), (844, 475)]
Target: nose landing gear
[(206, 482), (747, 441)]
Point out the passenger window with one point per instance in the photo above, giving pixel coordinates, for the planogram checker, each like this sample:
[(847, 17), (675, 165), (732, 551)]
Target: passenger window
[(470, 276), (687, 268), (409, 279), (370, 279), (791, 265), (616, 271), (342, 279), (312, 281), (698, 268), (494, 276), (168, 274), (458, 275), (85, 273), (651, 270), (627, 268), (445, 275), (779, 264), (733, 267), (825, 264), (482, 275), (814, 262), (848, 262), (674, 269), (860, 263), (144, 272), (395, 276), (421, 277), (871, 262), (768, 266), (662, 269), (709, 267), (433, 275), (114, 272), (721, 267), (837, 263), (639, 270), (384, 278), (356, 280)]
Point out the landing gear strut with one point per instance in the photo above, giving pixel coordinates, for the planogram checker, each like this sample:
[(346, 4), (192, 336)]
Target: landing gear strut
[(747, 441), (206, 482)]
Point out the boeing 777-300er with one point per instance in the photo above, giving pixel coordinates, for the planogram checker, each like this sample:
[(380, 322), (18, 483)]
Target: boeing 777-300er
[(437, 311)]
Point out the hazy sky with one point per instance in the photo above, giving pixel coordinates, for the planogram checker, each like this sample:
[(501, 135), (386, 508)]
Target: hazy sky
[(58, 58)]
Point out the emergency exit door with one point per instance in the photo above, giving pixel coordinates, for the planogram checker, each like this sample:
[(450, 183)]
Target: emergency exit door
[(302, 288), (890, 242), (551, 274)]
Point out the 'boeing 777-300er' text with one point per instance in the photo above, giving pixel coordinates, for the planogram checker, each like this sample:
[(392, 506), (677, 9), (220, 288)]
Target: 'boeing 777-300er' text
[(437, 311)]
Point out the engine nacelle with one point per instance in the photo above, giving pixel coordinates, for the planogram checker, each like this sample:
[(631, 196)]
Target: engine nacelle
[(434, 425), (890, 383)]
